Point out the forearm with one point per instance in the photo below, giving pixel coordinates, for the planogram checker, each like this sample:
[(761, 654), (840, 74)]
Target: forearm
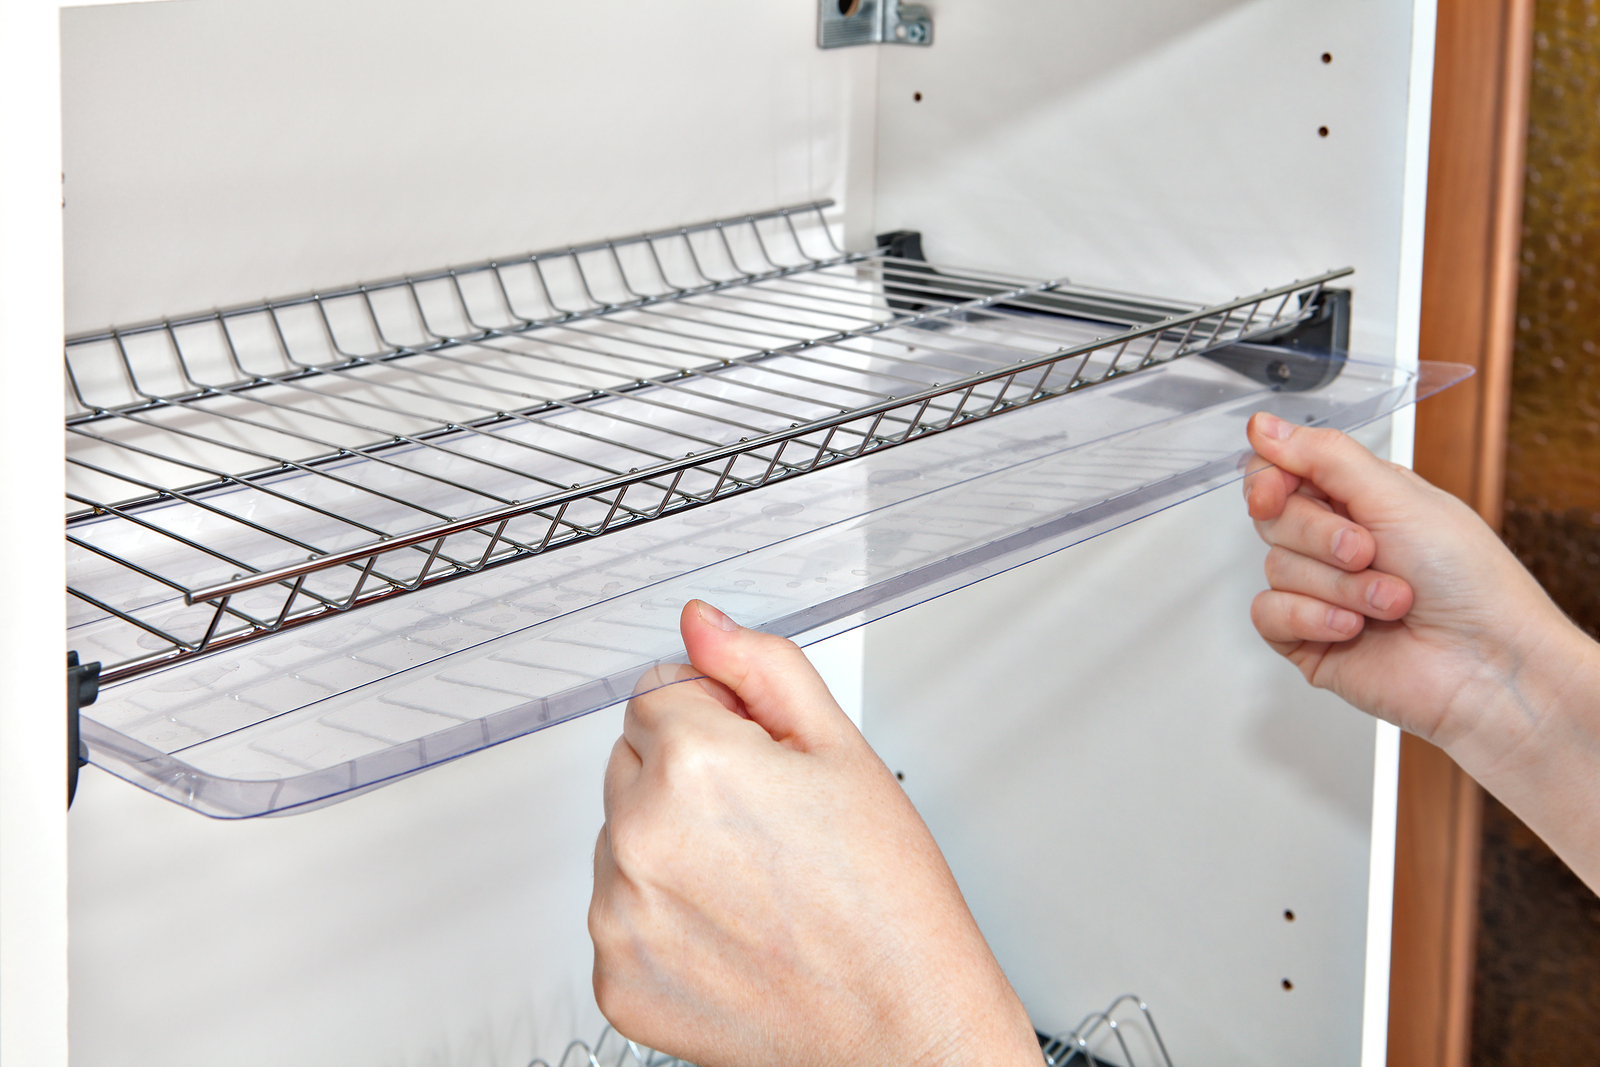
[(1474, 657), (1547, 767)]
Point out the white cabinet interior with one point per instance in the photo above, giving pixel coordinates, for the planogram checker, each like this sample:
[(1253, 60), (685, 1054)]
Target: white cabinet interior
[(219, 152)]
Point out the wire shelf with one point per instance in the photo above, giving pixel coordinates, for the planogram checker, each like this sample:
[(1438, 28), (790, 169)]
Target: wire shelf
[(314, 714), (242, 472), (1124, 1035), (611, 1050)]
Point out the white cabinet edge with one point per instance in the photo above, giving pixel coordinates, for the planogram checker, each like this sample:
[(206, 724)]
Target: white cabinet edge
[(1386, 770)]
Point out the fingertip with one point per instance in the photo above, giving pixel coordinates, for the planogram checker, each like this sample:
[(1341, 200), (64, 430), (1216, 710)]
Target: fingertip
[(760, 676), (1390, 598), (713, 617), (1256, 495), (1259, 607), (697, 613), (710, 636), (1268, 427), (1283, 617), (1338, 467), (1354, 548), (1344, 622), (1268, 491)]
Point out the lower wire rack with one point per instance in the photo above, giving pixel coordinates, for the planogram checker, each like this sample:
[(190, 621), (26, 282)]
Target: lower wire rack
[(238, 473), (1123, 1035), (611, 1050)]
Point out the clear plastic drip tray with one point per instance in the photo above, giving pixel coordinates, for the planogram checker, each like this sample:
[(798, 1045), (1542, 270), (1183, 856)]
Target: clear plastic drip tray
[(320, 712)]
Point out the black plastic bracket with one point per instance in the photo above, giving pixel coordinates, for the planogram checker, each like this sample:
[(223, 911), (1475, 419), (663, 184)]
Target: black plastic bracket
[(1307, 355), (83, 687), (1304, 355), (902, 244)]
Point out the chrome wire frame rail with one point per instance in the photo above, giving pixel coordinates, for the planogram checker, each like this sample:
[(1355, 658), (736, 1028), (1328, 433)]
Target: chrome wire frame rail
[(238, 472), (612, 1050), (1076, 1047)]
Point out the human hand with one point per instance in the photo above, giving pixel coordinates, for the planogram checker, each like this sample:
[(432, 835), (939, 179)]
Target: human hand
[(765, 893), (1397, 597), (1386, 590)]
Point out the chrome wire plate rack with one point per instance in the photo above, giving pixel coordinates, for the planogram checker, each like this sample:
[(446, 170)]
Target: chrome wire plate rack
[(1125, 1033), (240, 472)]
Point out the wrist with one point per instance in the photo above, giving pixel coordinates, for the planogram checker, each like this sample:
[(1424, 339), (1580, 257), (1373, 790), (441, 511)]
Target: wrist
[(996, 1032), (1541, 758), (1516, 658)]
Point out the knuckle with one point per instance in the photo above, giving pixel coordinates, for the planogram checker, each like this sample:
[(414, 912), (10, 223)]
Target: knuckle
[(630, 847), (1307, 511), (1277, 565), (1261, 609), (613, 996), (642, 710), (599, 922), (1327, 439), (618, 757), (661, 675), (614, 945), (688, 760), (765, 645)]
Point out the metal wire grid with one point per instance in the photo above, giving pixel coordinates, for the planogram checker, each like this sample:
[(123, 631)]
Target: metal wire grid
[(1102, 1029), (311, 699), (449, 422), (612, 1050), (1075, 1048)]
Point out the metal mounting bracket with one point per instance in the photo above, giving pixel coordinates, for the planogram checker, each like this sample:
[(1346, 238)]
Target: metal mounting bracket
[(842, 23), (83, 686)]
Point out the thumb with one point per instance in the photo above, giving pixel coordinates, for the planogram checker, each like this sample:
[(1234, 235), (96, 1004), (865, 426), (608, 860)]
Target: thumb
[(1332, 461), (780, 689)]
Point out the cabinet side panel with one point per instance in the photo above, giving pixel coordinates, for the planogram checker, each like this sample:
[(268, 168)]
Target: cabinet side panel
[(33, 842), (1133, 797), (1197, 148)]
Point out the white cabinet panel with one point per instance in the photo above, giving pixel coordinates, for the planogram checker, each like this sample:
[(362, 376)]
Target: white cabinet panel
[(1132, 789)]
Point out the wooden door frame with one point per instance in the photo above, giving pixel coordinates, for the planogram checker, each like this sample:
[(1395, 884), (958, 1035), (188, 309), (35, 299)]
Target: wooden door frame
[(1471, 249)]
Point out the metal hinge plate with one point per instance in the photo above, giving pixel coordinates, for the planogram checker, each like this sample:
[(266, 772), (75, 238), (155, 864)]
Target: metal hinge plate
[(842, 23)]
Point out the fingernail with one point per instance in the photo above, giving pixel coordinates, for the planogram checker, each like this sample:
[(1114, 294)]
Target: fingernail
[(1274, 427), (715, 618), (1346, 543), (1342, 621), (1382, 595)]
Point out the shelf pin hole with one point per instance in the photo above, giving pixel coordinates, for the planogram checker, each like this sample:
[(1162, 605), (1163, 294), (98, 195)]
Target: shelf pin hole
[(1288, 915), (1322, 131), (917, 97), (1287, 985), (1327, 57)]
